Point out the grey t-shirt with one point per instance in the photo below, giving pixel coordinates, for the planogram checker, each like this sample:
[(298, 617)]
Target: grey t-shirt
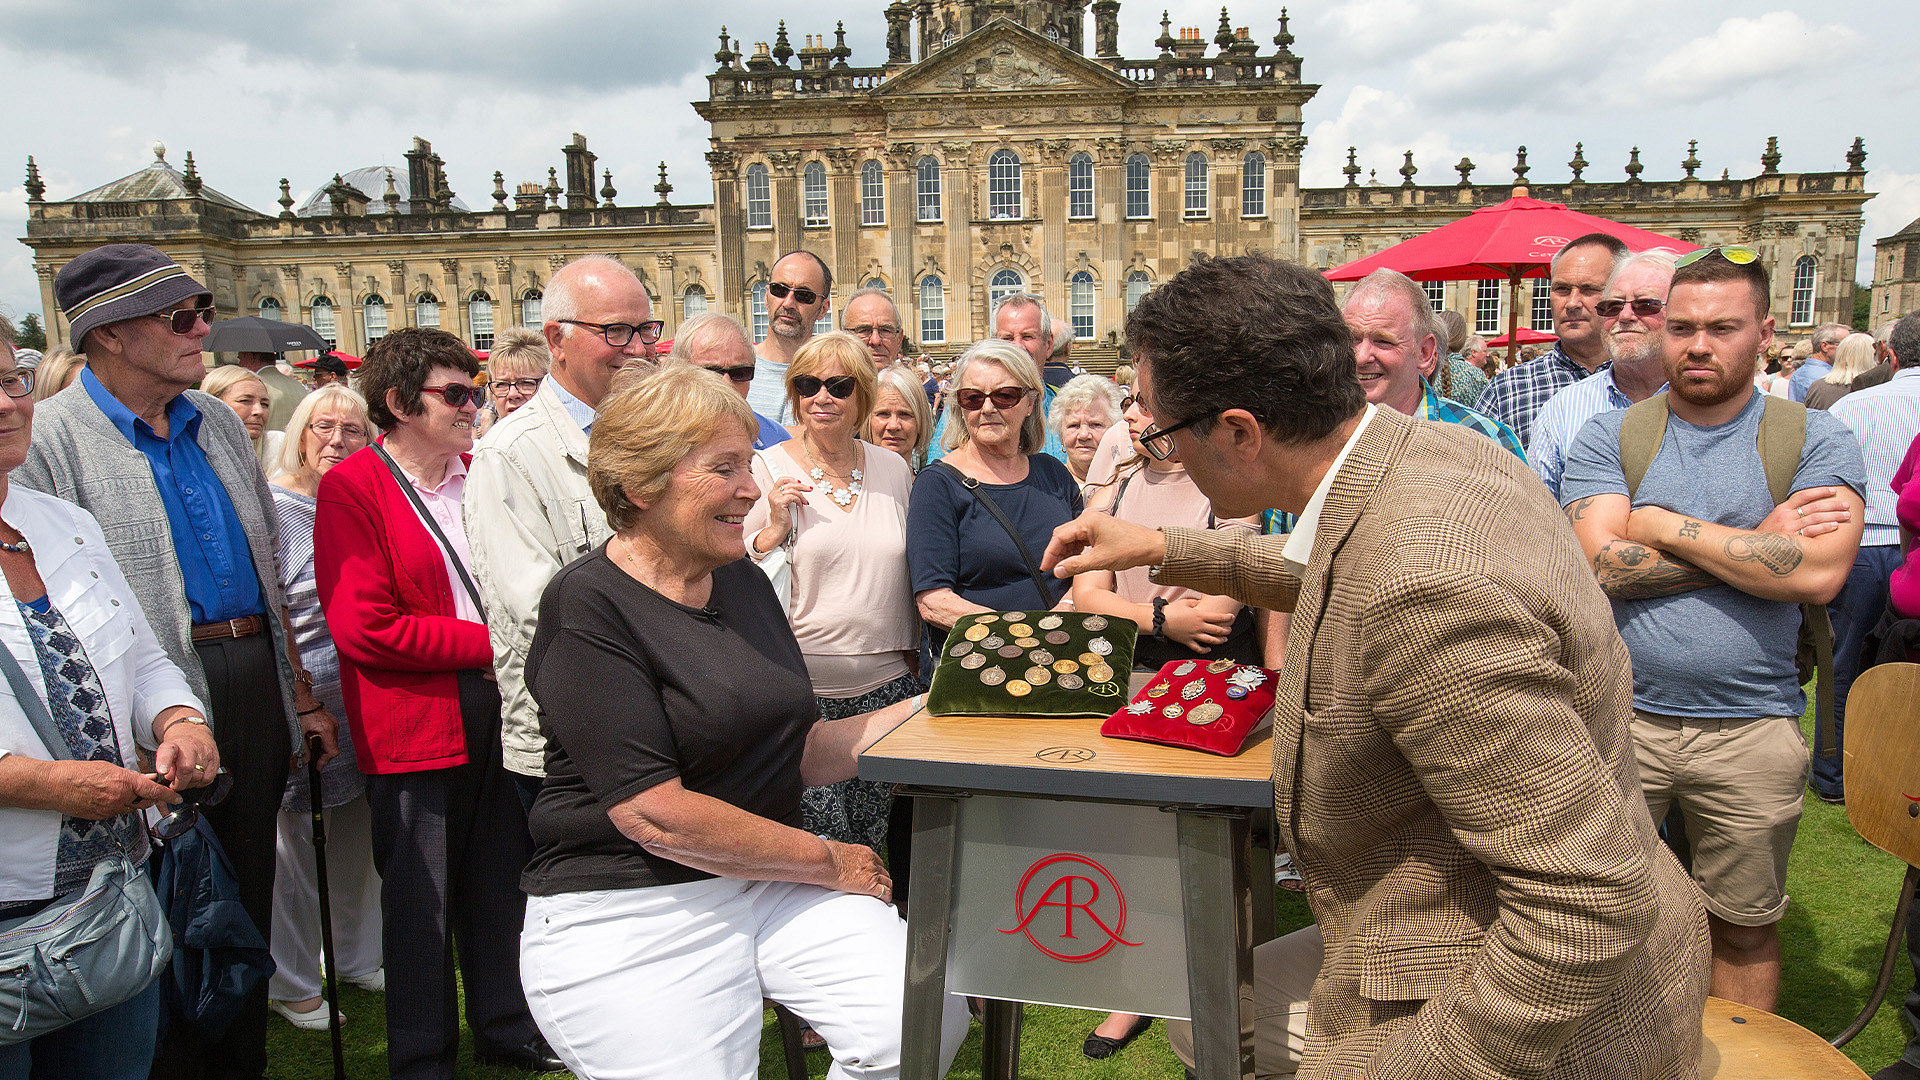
[(1713, 652)]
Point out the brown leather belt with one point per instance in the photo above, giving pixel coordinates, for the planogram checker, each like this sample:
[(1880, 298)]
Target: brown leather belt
[(232, 628)]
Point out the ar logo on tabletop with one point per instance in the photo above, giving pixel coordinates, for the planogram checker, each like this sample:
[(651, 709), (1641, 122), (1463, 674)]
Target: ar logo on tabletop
[(1065, 911)]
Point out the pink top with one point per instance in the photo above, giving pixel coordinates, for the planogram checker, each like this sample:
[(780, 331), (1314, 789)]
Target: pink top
[(1904, 588), (1156, 499)]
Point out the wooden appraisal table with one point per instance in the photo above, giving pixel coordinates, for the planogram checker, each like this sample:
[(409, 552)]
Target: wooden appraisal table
[(1054, 866)]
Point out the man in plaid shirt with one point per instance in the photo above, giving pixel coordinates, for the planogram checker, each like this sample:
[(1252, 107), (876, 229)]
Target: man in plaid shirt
[(1578, 277)]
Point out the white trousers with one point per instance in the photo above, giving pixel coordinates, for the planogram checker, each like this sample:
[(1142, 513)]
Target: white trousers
[(353, 888), (1283, 974), (667, 981)]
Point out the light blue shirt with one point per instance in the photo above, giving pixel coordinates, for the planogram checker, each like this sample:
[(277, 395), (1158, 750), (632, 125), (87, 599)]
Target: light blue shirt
[(1804, 377), (769, 434), (1562, 417), (767, 394), (581, 412), (1885, 419)]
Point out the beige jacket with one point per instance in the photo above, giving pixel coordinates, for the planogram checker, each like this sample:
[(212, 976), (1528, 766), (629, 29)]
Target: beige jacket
[(1454, 777), (528, 512)]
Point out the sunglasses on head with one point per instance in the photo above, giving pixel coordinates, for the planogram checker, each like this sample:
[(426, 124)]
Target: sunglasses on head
[(1737, 254), (181, 321), (1006, 397), (1645, 308), (178, 820), (455, 394), (801, 293), (743, 373), (840, 386)]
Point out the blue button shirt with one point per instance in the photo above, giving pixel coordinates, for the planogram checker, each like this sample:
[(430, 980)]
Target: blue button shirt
[(208, 539)]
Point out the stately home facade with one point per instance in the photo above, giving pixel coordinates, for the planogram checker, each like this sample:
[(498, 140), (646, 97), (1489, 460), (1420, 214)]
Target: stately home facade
[(995, 150)]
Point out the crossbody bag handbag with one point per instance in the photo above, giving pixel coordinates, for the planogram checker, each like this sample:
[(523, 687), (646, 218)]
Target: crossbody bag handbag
[(87, 951), (459, 566), (1047, 596)]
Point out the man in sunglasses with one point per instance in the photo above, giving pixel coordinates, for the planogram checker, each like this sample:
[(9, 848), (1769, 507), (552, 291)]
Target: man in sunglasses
[(871, 316), (1707, 572), (716, 341), (528, 508), (797, 296), (1634, 323), (171, 475), (1577, 278), (1455, 781)]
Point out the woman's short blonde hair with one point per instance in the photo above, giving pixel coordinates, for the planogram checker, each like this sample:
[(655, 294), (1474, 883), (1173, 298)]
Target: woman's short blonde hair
[(824, 353), (222, 379), (1033, 433), (330, 398), (519, 353), (902, 379), (1851, 360), (60, 367), (646, 426)]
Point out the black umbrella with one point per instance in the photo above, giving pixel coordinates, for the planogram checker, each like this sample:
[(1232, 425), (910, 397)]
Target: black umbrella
[(251, 334)]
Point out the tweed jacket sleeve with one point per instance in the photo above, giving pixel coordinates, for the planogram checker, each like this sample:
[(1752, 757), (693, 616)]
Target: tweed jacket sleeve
[(1237, 563)]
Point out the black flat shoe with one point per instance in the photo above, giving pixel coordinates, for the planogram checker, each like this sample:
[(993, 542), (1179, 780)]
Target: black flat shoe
[(536, 1057), (1099, 1047)]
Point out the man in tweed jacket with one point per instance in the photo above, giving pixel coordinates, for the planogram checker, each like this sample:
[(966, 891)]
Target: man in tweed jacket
[(1452, 771)]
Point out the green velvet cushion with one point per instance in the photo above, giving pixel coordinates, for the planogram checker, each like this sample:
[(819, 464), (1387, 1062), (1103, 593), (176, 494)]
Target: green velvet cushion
[(1034, 663)]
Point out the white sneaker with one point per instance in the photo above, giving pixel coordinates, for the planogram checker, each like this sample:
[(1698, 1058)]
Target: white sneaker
[(314, 1019), (375, 980)]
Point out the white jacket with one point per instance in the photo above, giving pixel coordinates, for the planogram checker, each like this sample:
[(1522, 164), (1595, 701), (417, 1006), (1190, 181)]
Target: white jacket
[(86, 586), (528, 512)]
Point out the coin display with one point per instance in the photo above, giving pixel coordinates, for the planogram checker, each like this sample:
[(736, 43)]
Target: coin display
[(973, 661), (1015, 616), (1193, 690), (993, 676), (1052, 622), (1018, 688), (1236, 692), (1065, 667), (1100, 645), (1011, 651), (1219, 666), (1020, 630), (1157, 690), (1173, 710), (1186, 668), (1205, 713), (1042, 657), (976, 632), (1091, 658), (1100, 673), (992, 641), (1058, 637), (1026, 642), (1071, 682), (1095, 623), (961, 649), (986, 620), (1039, 676)]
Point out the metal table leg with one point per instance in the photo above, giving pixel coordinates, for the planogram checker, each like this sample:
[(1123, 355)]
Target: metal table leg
[(936, 849), (1216, 861), (1000, 1045)]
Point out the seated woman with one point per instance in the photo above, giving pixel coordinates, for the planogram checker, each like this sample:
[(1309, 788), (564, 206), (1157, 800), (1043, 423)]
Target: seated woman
[(671, 889)]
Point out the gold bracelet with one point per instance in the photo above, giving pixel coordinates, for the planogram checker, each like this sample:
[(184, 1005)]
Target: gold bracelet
[(201, 720)]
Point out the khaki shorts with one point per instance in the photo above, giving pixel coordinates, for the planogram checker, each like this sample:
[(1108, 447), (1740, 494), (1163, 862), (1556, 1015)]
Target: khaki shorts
[(1739, 784)]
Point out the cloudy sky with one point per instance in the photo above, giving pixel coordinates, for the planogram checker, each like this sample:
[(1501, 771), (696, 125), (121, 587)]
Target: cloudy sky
[(261, 89)]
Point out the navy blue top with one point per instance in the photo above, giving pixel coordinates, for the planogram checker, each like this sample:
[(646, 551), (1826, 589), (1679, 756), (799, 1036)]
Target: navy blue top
[(208, 538)]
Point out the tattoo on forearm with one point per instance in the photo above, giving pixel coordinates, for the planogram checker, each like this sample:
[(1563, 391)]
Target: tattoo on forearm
[(1635, 572), (1689, 529), (1631, 555), (1778, 553), (1578, 511)]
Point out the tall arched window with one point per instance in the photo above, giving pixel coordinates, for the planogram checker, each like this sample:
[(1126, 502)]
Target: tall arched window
[(1804, 275), (693, 301), (480, 320), (426, 311), (1080, 305), (1253, 185), (1486, 307), (530, 308), (1137, 285), (933, 311), (1003, 185), (269, 308), (926, 183), (1139, 176), (1004, 284), (373, 311), (1196, 186), (320, 317), (759, 198), (873, 194), (1080, 186), (813, 190), (757, 306)]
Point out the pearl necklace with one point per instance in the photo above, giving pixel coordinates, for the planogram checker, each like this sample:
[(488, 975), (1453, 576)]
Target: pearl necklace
[(842, 497)]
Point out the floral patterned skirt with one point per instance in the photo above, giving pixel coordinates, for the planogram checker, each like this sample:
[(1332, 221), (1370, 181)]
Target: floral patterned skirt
[(854, 811)]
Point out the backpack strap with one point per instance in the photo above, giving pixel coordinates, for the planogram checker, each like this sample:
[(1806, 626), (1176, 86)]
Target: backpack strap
[(1641, 432)]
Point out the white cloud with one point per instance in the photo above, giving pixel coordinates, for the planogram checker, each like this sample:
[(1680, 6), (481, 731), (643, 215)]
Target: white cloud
[(1742, 50), (1896, 205)]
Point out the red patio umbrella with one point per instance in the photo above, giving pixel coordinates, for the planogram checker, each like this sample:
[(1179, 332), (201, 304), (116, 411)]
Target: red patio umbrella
[(1526, 337), (1514, 239)]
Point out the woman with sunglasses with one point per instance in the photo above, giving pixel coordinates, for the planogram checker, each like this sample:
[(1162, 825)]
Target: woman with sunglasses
[(838, 506), (960, 558), (416, 672), (75, 632)]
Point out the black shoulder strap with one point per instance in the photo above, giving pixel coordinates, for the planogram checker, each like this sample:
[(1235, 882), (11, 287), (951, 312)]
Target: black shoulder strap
[(1033, 565), (433, 526)]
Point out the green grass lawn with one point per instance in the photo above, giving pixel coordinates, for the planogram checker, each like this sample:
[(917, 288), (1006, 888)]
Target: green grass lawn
[(1843, 895)]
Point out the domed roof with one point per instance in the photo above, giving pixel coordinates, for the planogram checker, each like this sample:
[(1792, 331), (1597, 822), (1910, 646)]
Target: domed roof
[(373, 180), (158, 180)]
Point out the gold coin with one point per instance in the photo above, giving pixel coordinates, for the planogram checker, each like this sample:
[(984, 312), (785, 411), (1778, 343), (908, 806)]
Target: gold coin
[(1020, 630), (985, 620), (993, 676), (973, 661), (1018, 688), (1039, 676), (1091, 658), (976, 632), (1205, 713), (1027, 642), (1100, 674), (1065, 667), (1219, 666), (1157, 690)]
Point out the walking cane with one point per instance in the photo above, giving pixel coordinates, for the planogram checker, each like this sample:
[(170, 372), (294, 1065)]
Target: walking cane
[(326, 907)]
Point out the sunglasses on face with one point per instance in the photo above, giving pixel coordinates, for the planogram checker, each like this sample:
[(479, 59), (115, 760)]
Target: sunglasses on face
[(180, 819), (508, 387), (840, 386), (181, 321), (1737, 254), (743, 373), (1006, 397), (455, 394), (1645, 308), (801, 294), (618, 334)]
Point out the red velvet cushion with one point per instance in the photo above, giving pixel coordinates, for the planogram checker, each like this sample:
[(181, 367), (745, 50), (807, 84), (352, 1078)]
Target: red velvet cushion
[(1203, 705)]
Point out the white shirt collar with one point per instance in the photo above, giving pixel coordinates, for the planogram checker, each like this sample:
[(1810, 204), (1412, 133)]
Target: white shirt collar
[(1299, 549)]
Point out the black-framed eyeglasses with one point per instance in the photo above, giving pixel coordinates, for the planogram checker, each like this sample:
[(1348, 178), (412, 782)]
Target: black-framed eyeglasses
[(1158, 441), (181, 321), (17, 383), (1006, 397), (868, 331), (506, 387), (801, 294), (840, 386), (180, 819), (1645, 308), (1737, 254), (1127, 402), (455, 394), (618, 334), (741, 373)]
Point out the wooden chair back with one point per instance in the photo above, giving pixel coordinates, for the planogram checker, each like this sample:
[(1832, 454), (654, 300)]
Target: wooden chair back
[(1746, 1044), (1882, 759)]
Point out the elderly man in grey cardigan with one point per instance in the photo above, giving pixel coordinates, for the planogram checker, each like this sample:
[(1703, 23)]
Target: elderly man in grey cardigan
[(171, 476)]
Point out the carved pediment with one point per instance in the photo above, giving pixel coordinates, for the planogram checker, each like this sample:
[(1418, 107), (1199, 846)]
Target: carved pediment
[(1002, 56)]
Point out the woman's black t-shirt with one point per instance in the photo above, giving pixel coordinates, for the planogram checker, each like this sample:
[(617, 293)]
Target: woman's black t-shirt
[(634, 690)]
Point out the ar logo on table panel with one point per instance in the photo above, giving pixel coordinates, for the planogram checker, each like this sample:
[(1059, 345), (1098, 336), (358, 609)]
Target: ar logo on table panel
[(1070, 908)]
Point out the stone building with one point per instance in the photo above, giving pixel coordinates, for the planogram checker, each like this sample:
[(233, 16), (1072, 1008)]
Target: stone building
[(1896, 275), (996, 149)]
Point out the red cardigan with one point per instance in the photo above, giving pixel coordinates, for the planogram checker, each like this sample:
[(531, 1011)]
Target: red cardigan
[(389, 605)]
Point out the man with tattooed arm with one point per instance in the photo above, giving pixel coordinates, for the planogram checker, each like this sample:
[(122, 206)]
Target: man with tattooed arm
[(1706, 574)]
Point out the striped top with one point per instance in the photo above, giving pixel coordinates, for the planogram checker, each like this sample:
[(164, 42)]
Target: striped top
[(340, 779)]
